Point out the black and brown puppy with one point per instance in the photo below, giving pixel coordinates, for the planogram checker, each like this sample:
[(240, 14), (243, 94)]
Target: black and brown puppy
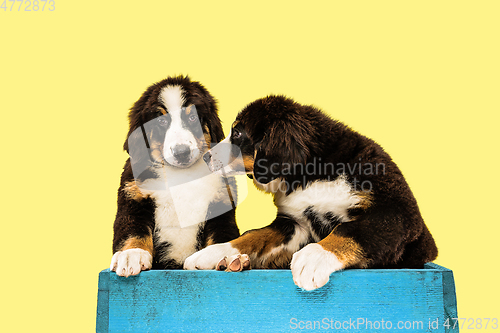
[(342, 202), (169, 203)]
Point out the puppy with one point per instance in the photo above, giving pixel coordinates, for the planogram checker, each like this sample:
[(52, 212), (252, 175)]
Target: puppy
[(169, 203), (342, 202)]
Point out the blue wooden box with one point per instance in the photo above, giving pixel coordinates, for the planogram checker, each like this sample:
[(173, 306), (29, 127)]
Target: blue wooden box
[(410, 300)]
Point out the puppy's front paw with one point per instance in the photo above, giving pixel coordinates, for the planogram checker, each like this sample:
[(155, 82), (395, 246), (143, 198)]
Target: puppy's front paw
[(311, 267), (131, 262), (236, 263), (209, 256)]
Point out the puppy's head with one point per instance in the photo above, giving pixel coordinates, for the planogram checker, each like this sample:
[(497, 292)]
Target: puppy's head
[(173, 123), (272, 134)]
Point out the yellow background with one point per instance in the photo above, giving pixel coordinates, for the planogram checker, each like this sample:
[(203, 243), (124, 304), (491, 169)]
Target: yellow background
[(419, 77)]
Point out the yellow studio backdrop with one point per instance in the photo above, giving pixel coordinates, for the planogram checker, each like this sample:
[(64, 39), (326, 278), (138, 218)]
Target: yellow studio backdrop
[(419, 77)]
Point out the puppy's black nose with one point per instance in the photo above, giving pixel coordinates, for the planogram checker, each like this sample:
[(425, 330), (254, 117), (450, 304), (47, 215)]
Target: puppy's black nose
[(207, 157), (181, 152)]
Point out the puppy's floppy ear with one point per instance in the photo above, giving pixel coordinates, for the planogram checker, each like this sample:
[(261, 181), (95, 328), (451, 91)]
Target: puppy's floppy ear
[(211, 114), (281, 148), (137, 146), (136, 113), (213, 120), (215, 127)]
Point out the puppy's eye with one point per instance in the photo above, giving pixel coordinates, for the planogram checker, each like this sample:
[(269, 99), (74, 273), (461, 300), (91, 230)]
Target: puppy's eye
[(162, 120), (236, 134), (192, 118)]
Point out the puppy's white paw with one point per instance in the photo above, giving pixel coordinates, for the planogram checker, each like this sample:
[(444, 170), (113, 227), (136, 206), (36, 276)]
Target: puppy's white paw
[(131, 262), (311, 267), (209, 256)]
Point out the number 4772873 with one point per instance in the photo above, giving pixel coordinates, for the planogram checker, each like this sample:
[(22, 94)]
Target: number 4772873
[(472, 323), (28, 5)]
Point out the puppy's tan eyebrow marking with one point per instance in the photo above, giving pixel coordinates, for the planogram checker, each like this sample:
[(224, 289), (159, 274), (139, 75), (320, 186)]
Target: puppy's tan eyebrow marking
[(189, 108), (235, 123), (162, 110)]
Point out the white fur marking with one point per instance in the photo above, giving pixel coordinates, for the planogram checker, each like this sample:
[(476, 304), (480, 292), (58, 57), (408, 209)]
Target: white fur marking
[(299, 238), (180, 209), (131, 262), (325, 196), (173, 98), (311, 267)]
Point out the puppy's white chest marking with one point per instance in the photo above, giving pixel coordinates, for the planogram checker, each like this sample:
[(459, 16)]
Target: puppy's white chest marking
[(326, 197), (181, 210)]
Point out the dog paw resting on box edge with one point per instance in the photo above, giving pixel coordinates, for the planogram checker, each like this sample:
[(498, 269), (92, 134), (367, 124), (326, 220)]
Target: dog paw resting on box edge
[(158, 226), (342, 202)]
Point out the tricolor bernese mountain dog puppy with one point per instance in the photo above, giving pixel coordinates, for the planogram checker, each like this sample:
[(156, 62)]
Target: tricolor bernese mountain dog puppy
[(169, 203), (342, 202)]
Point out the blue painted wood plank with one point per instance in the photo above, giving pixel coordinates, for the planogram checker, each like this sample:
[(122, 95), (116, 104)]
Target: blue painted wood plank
[(268, 300), (102, 324)]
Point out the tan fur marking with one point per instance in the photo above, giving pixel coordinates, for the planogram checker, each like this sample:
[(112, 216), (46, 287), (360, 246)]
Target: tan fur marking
[(162, 110), (189, 109), (366, 199), (258, 242), (248, 163), (203, 143), (278, 260), (156, 150), (144, 243), (210, 241), (208, 138), (133, 191), (155, 144), (156, 154), (348, 251)]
